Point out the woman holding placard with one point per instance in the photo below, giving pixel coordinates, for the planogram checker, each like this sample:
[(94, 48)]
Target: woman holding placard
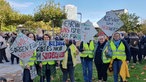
[(47, 68), (27, 77)]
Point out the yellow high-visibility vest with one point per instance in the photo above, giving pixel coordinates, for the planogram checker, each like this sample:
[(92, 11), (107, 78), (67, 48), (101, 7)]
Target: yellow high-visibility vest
[(104, 58), (88, 50), (73, 50), (118, 53), (50, 62)]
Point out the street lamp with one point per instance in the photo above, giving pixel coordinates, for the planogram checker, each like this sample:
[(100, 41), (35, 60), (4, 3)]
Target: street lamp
[(80, 16)]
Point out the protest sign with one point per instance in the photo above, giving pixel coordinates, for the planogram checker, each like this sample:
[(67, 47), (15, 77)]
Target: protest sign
[(50, 50), (88, 31), (23, 47), (71, 30), (33, 72), (110, 23)]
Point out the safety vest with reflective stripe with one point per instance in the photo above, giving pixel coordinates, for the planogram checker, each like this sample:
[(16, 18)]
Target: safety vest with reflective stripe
[(104, 58), (73, 50), (50, 62), (88, 50), (119, 52)]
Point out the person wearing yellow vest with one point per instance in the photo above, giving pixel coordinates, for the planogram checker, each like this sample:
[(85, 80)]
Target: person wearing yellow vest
[(47, 68), (120, 53), (86, 55), (68, 64), (101, 64), (30, 63)]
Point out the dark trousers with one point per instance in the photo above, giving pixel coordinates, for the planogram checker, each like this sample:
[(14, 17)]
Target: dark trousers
[(47, 74), (27, 76), (12, 59), (102, 71), (135, 53), (3, 55), (70, 71)]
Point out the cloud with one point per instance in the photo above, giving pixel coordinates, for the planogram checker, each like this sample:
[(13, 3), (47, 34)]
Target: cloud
[(20, 5)]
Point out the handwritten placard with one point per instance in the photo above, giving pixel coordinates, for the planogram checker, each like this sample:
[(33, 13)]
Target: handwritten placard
[(110, 23), (71, 30), (23, 47), (50, 50)]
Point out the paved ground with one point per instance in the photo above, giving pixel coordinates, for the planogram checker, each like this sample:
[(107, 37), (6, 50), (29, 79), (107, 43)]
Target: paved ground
[(13, 73)]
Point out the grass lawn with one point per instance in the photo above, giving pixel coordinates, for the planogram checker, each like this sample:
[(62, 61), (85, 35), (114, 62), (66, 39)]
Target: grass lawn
[(137, 74)]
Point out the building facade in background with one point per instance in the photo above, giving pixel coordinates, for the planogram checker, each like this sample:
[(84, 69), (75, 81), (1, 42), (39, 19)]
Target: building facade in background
[(71, 11), (119, 12)]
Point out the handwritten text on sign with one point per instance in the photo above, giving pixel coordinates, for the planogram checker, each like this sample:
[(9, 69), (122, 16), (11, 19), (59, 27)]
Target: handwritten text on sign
[(110, 23), (50, 50), (23, 47), (71, 30)]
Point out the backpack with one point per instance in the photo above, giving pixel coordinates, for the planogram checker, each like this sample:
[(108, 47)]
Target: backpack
[(134, 41)]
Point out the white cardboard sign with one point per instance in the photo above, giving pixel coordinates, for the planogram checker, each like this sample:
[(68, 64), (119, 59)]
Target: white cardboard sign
[(88, 31), (110, 23), (71, 30)]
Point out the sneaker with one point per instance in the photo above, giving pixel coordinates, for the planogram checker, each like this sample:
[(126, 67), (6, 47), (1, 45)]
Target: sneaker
[(7, 61)]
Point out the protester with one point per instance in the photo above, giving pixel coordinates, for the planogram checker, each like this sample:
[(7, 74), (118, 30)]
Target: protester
[(47, 67), (30, 64), (142, 45), (3, 46), (101, 67), (87, 54), (69, 62), (120, 54), (10, 41), (134, 47)]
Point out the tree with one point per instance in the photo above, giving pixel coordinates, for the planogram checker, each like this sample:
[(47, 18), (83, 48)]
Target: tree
[(131, 22), (5, 10), (143, 28), (50, 12)]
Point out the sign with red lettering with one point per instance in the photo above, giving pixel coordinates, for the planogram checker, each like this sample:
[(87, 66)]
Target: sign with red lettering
[(23, 47), (50, 50), (110, 23), (71, 30)]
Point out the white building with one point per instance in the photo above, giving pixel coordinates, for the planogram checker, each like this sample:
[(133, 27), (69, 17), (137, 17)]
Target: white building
[(119, 12), (71, 12)]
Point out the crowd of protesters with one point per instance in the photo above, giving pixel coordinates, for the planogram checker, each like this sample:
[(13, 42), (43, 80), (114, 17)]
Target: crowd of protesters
[(113, 52)]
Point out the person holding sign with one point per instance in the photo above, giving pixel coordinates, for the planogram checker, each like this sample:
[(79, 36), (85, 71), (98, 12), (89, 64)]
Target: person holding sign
[(101, 65), (3, 46), (31, 63), (87, 54), (46, 67), (120, 54), (69, 62)]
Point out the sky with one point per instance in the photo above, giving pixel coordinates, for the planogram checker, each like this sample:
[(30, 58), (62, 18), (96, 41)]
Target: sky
[(92, 10)]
